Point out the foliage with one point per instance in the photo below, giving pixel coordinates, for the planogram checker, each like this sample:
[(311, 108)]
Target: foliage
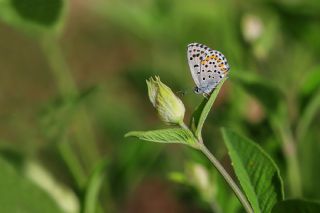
[(72, 83), (20, 194), (257, 173)]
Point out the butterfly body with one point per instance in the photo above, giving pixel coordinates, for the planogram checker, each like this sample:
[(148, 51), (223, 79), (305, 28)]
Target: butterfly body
[(208, 67)]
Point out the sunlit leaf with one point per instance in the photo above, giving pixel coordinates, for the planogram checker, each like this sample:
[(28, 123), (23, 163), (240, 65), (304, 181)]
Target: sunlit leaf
[(258, 174), (200, 114), (174, 135)]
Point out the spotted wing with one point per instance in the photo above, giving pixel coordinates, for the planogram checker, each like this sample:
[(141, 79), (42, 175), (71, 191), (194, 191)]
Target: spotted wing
[(213, 68), (196, 53)]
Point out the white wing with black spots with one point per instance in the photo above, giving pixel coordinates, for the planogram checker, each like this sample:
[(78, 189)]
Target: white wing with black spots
[(208, 67), (196, 53)]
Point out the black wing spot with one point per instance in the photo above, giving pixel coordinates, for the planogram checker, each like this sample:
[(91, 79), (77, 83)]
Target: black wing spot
[(204, 79), (209, 71), (196, 65), (206, 65), (201, 58), (191, 58), (209, 76)]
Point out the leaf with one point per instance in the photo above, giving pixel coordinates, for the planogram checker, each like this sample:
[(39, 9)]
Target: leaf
[(296, 206), (32, 15), (18, 194), (258, 174), (175, 135), (93, 188), (201, 113)]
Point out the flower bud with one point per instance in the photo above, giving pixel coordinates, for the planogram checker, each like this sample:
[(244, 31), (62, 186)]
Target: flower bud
[(170, 108)]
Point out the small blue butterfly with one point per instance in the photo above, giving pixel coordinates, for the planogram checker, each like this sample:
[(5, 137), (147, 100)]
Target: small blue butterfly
[(208, 67)]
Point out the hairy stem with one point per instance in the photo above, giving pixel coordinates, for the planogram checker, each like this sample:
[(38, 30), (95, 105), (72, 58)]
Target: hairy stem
[(242, 198)]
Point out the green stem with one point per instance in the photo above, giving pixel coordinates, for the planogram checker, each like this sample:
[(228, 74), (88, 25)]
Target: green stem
[(242, 198), (93, 188), (72, 163), (183, 125), (67, 89), (290, 152)]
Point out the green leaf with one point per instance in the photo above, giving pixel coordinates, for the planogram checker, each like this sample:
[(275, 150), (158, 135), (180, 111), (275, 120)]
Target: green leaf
[(91, 201), (33, 16), (175, 135), (201, 113), (297, 206), (18, 194), (258, 174)]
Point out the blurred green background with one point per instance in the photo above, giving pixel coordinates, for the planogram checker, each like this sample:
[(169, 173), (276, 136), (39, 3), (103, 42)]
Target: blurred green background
[(72, 83)]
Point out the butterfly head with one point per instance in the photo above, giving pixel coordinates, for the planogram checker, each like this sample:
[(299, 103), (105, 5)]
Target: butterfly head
[(197, 90)]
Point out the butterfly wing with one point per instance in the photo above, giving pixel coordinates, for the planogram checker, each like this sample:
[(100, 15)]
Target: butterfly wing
[(214, 67), (196, 53)]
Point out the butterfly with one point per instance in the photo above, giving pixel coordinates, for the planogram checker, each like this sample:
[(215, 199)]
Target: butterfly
[(208, 67)]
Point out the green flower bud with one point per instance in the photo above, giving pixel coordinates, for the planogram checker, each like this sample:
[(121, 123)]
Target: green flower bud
[(170, 108)]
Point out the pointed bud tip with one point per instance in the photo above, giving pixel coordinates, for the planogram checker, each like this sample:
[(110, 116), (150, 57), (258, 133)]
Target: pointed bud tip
[(170, 108)]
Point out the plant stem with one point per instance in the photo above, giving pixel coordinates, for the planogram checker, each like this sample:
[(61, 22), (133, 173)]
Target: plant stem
[(183, 125), (81, 129), (242, 198), (67, 153), (290, 152)]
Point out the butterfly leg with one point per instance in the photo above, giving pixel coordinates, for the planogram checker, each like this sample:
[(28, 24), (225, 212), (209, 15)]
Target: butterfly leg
[(206, 95)]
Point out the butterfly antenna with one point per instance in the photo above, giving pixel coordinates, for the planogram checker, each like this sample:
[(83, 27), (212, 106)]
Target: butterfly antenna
[(182, 93)]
